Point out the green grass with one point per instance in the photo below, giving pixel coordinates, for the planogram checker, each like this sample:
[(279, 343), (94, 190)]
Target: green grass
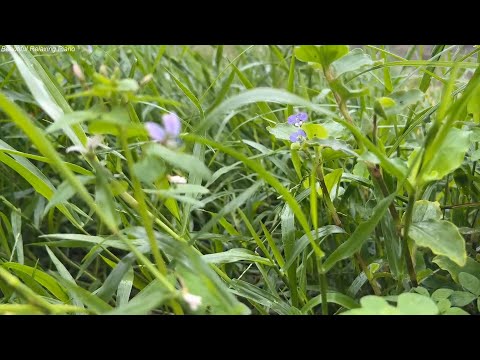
[(375, 212)]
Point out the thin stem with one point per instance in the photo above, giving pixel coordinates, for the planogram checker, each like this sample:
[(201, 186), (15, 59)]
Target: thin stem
[(406, 250), (142, 208)]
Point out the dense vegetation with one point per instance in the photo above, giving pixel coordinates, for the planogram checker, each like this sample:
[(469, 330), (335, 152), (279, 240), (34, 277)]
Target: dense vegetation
[(239, 180)]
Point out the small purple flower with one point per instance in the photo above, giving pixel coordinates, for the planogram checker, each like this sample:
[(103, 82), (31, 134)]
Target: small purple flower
[(298, 136), (168, 133), (155, 131), (297, 119), (172, 124)]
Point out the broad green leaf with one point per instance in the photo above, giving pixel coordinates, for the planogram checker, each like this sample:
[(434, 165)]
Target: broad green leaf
[(424, 210), (352, 61), (448, 157), (282, 131), (402, 99), (183, 161), (360, 235), (416, 304), (444, 305), (315, 131), (471, 266), (149, 169), (441, 294), (234, 255), (442, 237), (322, 54), (373, 305), (455, 311), (461, 298), (473, 106), (469, 282)]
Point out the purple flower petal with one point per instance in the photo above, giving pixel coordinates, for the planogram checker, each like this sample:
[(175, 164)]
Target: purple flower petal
[(155, 131), (296, 118), (172, 124), (302, 116), (292, 119), (298, 136)]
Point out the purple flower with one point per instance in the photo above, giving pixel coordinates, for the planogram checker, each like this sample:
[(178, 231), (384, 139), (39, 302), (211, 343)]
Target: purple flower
[(155, 131), (297, 119), (167, 134), (298, 136), (172, 124)]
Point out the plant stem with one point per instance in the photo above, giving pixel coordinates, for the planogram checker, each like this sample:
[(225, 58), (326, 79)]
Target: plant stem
[(406, 250), (142, 208)]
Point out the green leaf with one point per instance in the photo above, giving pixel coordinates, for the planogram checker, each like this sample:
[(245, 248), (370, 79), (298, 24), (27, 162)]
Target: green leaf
[(381, 104), (360, 235), (104, 196), (442, 237), (41, 277), (263, 297), (315, 131), (441, 294), (65, 275), (373, 305), (151, 297), (471, 267), (234, 255), (255, 96), (288, 239), (416, 304), (353, 61), (332, 297), (69, 119), (64, 192), (331, 180), (269, 178), (45, 92), (448, 157), (473, 106), (127, 85), (282, 131), (469, 282), (149, 169), (322, 54), (455, 311), (402, 99), (93, 302), (424, 210), (183, 161), (444, 305), (16, 221), (461, 298)]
